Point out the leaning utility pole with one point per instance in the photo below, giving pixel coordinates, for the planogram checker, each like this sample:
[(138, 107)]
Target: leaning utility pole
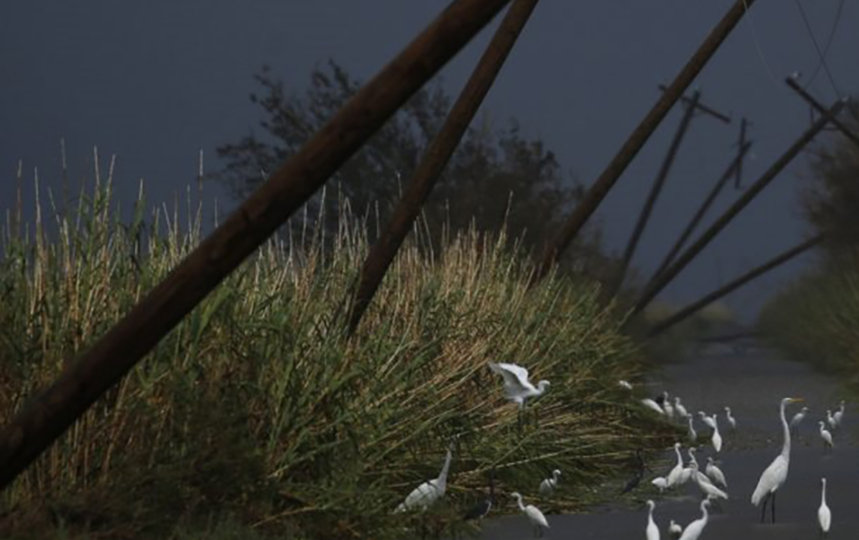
[(436, 157), (699, 214), (671, 272), (692, 308), (655, 190), (600, 188), (88, 376), (740, 144), (791, 81)]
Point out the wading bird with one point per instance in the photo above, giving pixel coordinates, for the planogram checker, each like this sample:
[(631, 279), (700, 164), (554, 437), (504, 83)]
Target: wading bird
[(674, 530), (660, 482), (537, 519), (826, 436), (797, 419), (680, 409), (731, 420), (839, 414), (430, 491), (548, 485), (652, 531), (715, 473), (716, 438), (824, 515), (693, 530), (638, 475), (705, 485), (831, 420), (653, 405), (482, 508), (667, 407), (709, 420), (675, 473), (693, 436), (774, 476), (624, 384), (516, 384)]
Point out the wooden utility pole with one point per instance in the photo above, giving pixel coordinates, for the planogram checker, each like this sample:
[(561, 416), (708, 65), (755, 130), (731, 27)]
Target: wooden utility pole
[(701, 107), (88, 376), (791, 81), (694, 307), (655, 190), (699, 214), (671, 272), (437, 155), (600, 188)]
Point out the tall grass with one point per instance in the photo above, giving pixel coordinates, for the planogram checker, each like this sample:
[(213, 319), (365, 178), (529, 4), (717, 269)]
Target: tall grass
[(816, 318), (256, 412)]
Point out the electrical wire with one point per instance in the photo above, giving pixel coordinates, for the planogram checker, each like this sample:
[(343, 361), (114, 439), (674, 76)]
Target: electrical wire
[(760, 51), (821, 53)]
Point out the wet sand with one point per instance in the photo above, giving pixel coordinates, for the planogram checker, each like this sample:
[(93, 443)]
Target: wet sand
[(752, 385)]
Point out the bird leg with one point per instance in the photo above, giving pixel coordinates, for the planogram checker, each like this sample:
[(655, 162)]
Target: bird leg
[(764, 507), (772, 508)]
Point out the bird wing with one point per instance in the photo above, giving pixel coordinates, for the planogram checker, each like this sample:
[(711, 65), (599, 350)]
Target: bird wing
[(693, 530), (423, 495), (824, 516), (771, 479), (536, 516), (520, 373)]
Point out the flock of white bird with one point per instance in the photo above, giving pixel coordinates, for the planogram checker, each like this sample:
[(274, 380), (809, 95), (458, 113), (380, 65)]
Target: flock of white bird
[(712, 482), (517, 388)]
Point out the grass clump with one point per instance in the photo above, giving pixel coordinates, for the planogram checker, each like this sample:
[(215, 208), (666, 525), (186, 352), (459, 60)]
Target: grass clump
[(255, 416)]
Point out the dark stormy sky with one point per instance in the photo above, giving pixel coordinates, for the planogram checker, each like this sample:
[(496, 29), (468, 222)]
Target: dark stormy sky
[(152, 82)]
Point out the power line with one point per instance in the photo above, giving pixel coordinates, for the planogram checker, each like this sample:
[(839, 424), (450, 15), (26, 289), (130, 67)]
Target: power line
[(820, 53), (829, 40), (758, 49)]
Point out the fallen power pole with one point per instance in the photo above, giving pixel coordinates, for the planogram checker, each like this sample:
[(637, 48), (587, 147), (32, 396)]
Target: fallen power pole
[(684, 259), (694, 307), (436, 157), (741, 144), (699, 214), (791, 81), (600, 188), (701, 107), (46, 416)]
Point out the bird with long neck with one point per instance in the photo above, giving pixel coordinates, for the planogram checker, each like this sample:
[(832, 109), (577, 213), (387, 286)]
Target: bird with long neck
[(775, 475), (430, 491)]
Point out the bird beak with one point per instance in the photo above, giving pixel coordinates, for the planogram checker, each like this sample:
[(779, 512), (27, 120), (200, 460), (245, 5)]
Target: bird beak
[(796, 400)]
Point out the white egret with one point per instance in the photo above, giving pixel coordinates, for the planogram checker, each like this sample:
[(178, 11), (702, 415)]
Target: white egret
[(715, 473), (624, 384), (651, 404), (660, 482), (824, 515), (680, 409), (674, 530), (830, 420), (674, 475), (839, 414), (667, 407), (534, 515), (776, 473), (707, 419), (429, 492), (693, 530), (516, 383), (691, 451), (731, 420), (548, 485), (716, 438), (652, 531), (705, 485), (693, 436), (826, 436), (798, 418)]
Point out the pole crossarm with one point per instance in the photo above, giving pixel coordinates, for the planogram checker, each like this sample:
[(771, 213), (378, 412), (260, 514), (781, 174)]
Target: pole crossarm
[(694, 307), (437, 155), (753, 190), (88, 376), (701, 107), (600, 188), (791, 81)]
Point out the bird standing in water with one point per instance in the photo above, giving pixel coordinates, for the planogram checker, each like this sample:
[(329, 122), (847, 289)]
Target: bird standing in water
[(776, 473), (652, 531), (534, 515), (824, 515)]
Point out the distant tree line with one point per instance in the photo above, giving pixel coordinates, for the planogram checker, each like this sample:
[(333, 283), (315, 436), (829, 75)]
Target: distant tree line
[(497, 176)]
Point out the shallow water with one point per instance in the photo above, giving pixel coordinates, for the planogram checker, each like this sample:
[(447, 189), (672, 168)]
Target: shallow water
[(752, 385)]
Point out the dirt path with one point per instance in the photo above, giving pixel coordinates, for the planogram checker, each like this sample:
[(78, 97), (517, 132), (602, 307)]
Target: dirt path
[(752, 385)]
